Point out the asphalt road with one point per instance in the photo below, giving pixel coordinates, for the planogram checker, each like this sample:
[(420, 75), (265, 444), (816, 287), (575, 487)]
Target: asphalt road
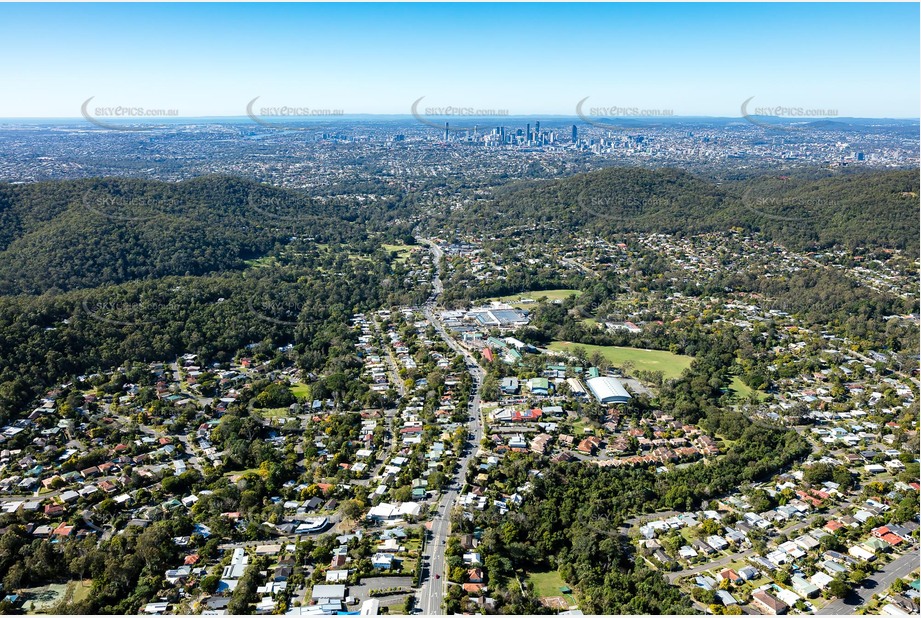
[(874, 584), (431, 594)]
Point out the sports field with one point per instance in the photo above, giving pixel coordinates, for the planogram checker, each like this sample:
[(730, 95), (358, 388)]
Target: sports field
[(671, 365), (516, 300)]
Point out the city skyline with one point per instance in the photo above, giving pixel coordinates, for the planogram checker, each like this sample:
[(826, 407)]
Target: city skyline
[(492, 120), (202, 61)]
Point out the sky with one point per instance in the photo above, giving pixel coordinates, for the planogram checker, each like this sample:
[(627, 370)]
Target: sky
[(860, 60)]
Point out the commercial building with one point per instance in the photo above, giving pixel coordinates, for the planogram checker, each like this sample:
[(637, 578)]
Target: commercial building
[(608, 390), (539, 386)]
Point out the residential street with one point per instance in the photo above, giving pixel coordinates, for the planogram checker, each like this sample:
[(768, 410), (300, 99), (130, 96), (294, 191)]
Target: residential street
[(876, 583), (724, 560)]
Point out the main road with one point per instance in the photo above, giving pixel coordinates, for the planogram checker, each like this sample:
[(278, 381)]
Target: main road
[(431, 594)]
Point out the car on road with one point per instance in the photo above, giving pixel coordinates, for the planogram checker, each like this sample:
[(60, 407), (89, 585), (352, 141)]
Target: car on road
[(437, 576)]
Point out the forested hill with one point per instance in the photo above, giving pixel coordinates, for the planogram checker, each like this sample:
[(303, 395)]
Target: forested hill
[(86, 233), (852, 209)]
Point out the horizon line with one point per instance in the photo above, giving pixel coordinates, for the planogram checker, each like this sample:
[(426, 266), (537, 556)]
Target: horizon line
[(326, 118)]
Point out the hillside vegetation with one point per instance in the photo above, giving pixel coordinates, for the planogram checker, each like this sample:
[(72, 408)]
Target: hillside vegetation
[(851, 209), (86, 233)]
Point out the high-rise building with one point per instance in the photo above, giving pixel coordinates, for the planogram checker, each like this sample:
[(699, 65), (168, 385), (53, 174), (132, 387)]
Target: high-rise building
[(446, 131), (575, 134), (528, 132)]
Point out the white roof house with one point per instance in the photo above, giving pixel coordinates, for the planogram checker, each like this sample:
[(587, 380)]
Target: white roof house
[(861, 553), (387, 511), (821, 580), (338, 575), (156, 608)]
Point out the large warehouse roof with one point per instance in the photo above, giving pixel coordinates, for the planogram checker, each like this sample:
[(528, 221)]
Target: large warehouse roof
[(328, 591), (608, 390)]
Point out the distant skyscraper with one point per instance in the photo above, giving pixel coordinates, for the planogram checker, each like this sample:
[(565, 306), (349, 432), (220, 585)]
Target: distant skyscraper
[(537, 128), (528, 132), (446, 131), (575, 134)]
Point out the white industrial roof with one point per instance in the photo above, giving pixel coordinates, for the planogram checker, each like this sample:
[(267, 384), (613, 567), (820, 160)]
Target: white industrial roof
[(608, 390), (328, 591)]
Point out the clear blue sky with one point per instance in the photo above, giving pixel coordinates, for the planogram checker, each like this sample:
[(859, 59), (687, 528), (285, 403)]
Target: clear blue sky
[(693, 59)]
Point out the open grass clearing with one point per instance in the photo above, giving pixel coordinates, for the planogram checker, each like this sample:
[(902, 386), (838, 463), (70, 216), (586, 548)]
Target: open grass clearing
[(262, 262), (742, 390), (81, 590), (301, 391), (547, 584), (523, 299), (671, 365), (273, 412), (403, 251)]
